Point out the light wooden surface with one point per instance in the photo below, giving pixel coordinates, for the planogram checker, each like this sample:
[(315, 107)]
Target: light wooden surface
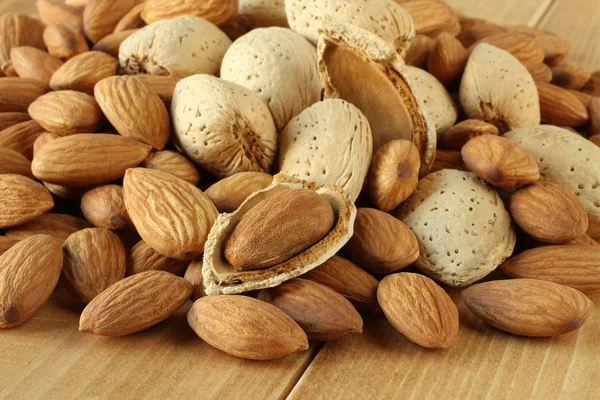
[(48, 358)]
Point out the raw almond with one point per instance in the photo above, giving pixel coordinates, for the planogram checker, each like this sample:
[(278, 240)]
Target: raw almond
[(448, 159), (174, 163), (432, 17), (33, 63), (320, 311), (419, 51), (584, 239), (593, 127), (246, 327), (548, 212), (523, 47), (65, 192), (592, 87), (499, 161), (83, 71), (576, 266), (12, 162), (475, 33), (104, 206), (60, 226), (218, 12), (134, 110), (570, 76), (15, 31), (6, 243), (135, 303), (229, 193), (16, 94), (67, 112), (100, 17), (555, 49), (41, 141), (420, 309), (110, 44), (528, 307), (21, 137), (131, 20), (558, 106), (143, 258), (277, 229), (595, 139), (51, 12), (29, 272), (541, 73), (457, 136), (65, 40), (381, 243), (99, 158), (447, 59), (193, 274), (21, 200), (163, 86), (8, 119), (162, 206)]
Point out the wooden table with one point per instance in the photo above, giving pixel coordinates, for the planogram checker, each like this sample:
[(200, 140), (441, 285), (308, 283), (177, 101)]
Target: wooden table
[(48, 358)]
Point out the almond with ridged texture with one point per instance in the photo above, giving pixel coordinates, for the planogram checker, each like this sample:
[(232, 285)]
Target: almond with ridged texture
[(419, 51), (21, 137), (472, 34), (21, 200), (528, 307), (171, 215), (381, 243), (560, 107), (110, 44), (523, 47), (51, 12), (12, 162), (448, 59), (218, 12), (193, 274), (174, 163), (584, 240), (29, 272), (277, 229), (104, 206), (457, 136), (576, 266), (419, 309), (65, 40), (6, 243), (8, 119), (555, 49), (592, 87), (83, 71), (61, 226), (100, 17), (143, 258), (93, 260), (33, 63), (135, 303), (570, 76), (16, 94), (348, 279), (134, 110), (99, 158), (229, 193), (448, 159), (393, 174), (320, 311), (67, 112), (499, 161), (593, 127), (42, 140), (163, 86), (541, 73), (131, 20), (432, 17), (16, 31), (245, 327), (548, 212)]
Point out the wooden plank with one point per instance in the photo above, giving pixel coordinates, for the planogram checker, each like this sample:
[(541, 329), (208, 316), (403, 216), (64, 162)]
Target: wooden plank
[(509, 12)]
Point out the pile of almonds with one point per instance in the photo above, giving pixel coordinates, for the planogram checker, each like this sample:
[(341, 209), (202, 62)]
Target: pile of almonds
[(351, 157)]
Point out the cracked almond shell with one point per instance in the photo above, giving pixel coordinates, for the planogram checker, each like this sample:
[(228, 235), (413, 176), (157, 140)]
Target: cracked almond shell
[(219, 276)]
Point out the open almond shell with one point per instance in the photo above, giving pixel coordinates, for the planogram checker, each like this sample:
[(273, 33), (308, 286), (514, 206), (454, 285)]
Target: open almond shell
[(219, 276), (361, 68)]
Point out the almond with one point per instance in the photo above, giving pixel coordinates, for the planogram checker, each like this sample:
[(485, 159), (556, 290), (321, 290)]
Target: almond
[(134, 110), (448, 159), (41, 141), (245, 327), (161, 207), (420, 309), (584, 239), (558, 106), (174, 163), (528, 307), (583, 97), (21, 137), (548, 212), (15, 31), (595, 139), (12, 162), (447, 59), (555, 49), (8, 119), (83, 71), (523, 47), (419, 51), (593, 127), (432, 17), (541, 73), (100, 17), (135, 303), (320, 311), (457, 136), (592, 87), (570, 76), (104, 206), (229, 193), (348, 279), (21, 200), (131, 20), (144, 258), (51, 12), (33, 63), (29, 272), (98, 158), (6, 243), (110, 44), (381, 243), (163, 86), (67, 112), (499, 161), (473, 34), (77, 3), (277, 229), (65, 192), (218, 12), (193, 274), (393, 174), (60, 226), (16, 94), (65, 40)]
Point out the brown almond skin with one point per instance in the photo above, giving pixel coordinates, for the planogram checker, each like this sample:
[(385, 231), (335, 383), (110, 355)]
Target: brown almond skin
[(229, 193), (41, 140), (21, 137), (65, 192), (93, 260), (570, 76), (174, 163), (65, 40), (320, 311), (548, 212), (457, 136), (21, 200), (348, 279), (163, 86), (143, 258), (104, 206), (135, 303), (420, 309), (584, 239), (100, 17), (277, 229), (100, 158), (29, 272), (499, 161), (60, 226), (558, 106), (245, 327), (6, 243), (523, 47), (393, 174), (131, 20), (576, 266), (593, 128), (595, 139), (16, 94), (12, 162), (82, 72), (219, 12), (448, 59), (448, 159), (193, 274), (419, 51), (528, 307), (110, 43), (33, 63), (53, 13), (473, 34), (592, 87), (8, 119), (541, 73), (18, 30)]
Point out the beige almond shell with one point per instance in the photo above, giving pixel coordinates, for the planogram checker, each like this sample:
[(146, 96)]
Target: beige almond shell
[(498, 89), (329, 143), (222, 126), (566, 159), (384, 18), (263, 13), (219, 276), (437, 101), (177, 47), (280, 66), (463, 229), (386, 96)]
